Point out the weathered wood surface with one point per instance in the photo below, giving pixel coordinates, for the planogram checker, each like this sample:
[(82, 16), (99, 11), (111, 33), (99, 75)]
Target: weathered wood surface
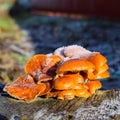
[(104, 105)]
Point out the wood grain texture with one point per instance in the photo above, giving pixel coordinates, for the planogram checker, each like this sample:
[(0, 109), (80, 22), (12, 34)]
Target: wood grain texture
[(104, 105)]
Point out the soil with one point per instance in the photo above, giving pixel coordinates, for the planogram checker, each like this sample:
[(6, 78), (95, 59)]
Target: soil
[(26, 34)]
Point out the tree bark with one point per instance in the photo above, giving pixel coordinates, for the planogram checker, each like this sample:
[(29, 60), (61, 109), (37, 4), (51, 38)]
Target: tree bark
[(104, 105)]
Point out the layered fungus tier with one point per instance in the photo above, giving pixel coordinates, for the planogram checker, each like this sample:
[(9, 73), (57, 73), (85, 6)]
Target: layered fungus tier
[(68, 72)]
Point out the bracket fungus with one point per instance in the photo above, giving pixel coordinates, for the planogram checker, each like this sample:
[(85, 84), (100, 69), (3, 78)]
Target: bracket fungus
[(25, 88), (42, 67), (68, 72)]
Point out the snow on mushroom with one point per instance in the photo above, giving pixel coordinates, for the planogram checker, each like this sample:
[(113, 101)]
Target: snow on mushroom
[(40, 70), (92, 66), (72, 51), (71, 78), (42, 67), (68, 72)]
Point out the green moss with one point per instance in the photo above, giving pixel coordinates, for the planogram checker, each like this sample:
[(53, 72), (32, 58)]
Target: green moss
[(6, 23)]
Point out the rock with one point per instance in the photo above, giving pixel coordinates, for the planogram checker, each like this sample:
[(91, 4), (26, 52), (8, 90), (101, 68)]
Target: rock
[(103, 105)]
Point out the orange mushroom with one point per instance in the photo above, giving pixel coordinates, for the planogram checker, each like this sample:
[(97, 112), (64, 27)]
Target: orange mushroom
[(98, 60), (101, 67), (69, 94), (82, 93), (26, 89), (42, 67), (71, 71), (93, 85), (68, 86), (69, 81), (75, 65), (103, 75), (62, 94)]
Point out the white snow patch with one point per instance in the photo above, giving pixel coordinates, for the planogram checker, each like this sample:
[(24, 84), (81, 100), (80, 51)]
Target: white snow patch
[(106, 109), (40, 113), (56, 116)]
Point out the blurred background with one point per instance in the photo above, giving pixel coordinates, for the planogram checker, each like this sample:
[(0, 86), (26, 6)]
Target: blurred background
[(29, 27)]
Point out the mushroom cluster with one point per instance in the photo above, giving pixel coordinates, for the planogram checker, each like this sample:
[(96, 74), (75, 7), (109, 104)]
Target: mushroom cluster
[(67, 72), (39, 72)]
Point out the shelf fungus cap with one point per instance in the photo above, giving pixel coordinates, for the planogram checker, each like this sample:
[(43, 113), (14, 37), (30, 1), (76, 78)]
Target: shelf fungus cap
[(34, 63), (25, 88), (82, 93), (75, 65), (103, 75), (66, 94), (98, 60), (93, 85), (69, 81), (70, 94), (102, 69), (42, 67)]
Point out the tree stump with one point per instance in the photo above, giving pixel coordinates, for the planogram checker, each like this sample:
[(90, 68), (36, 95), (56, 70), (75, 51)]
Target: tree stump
[(104, 105)]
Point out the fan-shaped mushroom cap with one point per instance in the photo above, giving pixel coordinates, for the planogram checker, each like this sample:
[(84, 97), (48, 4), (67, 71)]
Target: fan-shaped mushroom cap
[(69, 81), (47, 88), (70, 94), (102, 69), (35, 63), (82, 93), (42, 67), (66, 94), (103, 75), (98, 60), (93, 85), (25, 88), (34, 66), (50, 62), (75, 65)]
